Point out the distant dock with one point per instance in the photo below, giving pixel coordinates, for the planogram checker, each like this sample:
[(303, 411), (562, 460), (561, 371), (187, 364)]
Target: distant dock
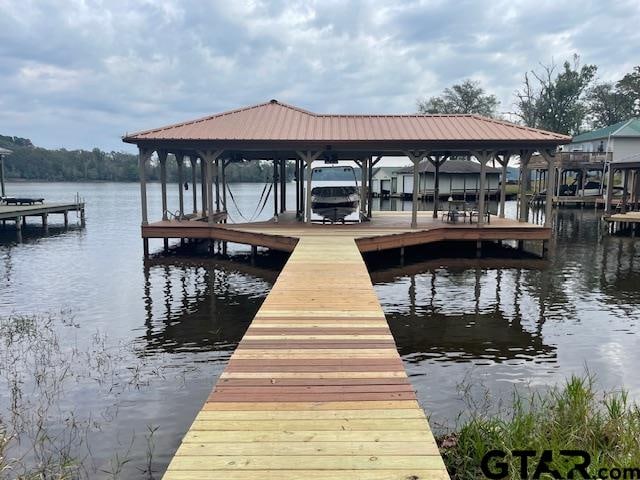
[(18, 214)]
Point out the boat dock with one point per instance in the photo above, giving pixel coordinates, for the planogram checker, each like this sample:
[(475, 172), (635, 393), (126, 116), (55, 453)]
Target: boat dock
[(316, 389), (384, 231), (628, 222), (18, 214)]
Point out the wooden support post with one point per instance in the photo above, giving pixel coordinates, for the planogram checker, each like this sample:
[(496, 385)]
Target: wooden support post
[(416, 158), (370, 189), (308, 158), (82, 218), (194, 183), (436, 185), (525, 155), (254, 254), (307, 202), (216, 165), (297, 180), (225, 164), (482, 157), (66, 219), (162, 157), (203, 183), (2, 189), (166, 244), (275, 186), (551, 168), (180, 161), (503, 183), (143, 156), (479, 249), (607, 206), (625, 189), (402, 256), (363, 184), (209, 158), (283, 185)]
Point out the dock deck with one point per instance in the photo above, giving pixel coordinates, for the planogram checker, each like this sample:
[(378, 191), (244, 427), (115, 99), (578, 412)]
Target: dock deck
[(19, 212), (386, 230), (316, 389)]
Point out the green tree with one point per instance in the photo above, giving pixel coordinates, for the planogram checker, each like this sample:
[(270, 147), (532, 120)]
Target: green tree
[(629, 86), (467, 97), (608, 105), (556, 100)]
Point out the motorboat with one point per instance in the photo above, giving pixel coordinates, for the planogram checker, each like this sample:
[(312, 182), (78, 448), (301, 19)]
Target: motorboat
[(334, 194)]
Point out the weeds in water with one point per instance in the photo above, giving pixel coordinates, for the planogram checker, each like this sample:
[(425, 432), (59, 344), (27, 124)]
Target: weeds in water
[(572, 416), (43, 373)]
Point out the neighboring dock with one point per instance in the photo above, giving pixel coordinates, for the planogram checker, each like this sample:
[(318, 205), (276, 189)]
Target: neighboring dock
[(19, 213), (316, 389), (628, 222)]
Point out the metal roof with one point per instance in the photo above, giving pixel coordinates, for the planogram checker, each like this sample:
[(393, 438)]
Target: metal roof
[(276, 121), (453, 166), (626, 128)]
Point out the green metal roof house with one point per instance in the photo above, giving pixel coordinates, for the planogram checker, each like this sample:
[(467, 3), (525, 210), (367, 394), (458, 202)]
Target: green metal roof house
[(622, 139)]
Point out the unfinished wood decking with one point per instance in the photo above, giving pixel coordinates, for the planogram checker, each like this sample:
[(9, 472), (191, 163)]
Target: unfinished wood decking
[(386, 230), (316, 389)]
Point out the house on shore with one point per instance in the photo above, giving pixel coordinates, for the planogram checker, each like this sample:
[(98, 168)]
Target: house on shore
[(458, 178), (584, 165), (384, 181)]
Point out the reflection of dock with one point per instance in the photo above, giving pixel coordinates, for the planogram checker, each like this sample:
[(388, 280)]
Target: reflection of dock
[(19, 213), (316, 388)]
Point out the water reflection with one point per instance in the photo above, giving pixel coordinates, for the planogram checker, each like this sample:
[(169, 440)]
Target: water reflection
[(201, 304), (447, 314)]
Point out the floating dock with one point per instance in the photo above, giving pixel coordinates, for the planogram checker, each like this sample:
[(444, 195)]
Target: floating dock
[(316, 389)]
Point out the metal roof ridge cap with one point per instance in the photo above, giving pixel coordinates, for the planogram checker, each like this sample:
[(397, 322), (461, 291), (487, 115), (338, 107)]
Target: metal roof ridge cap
[(521, 127), (624, 125)]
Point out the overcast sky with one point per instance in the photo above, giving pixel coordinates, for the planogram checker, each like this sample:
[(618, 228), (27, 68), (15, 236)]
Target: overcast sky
[(79, 74)]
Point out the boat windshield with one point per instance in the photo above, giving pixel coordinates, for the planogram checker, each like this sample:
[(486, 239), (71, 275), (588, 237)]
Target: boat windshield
[(334, 174)]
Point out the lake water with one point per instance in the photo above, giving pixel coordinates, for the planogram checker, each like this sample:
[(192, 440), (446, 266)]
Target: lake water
[(146, 341)]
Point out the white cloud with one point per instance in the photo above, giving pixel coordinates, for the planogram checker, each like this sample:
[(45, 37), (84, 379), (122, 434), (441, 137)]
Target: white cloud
[(126, 65)]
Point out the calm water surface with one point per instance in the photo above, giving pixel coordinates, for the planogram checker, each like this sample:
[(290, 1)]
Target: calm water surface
[(463, 327)]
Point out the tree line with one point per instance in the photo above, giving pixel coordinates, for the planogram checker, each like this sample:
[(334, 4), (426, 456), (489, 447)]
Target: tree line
[(28, 162), (565, 98)]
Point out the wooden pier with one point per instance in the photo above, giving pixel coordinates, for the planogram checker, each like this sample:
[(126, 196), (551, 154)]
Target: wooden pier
[(316, 389), (19, 213)]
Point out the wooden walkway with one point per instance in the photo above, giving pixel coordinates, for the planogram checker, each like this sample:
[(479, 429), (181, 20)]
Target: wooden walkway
[(316, 389)]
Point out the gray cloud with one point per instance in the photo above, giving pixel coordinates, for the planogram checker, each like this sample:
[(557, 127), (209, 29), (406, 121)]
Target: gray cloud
[(82, 73)]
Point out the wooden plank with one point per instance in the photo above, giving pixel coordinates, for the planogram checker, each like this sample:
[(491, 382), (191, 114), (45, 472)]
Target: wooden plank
[(400, 474), (311, 375), (305, 462), (309, 397), (308, 414), (313, 406), (312, 425), (308, 448), (208, 436)]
